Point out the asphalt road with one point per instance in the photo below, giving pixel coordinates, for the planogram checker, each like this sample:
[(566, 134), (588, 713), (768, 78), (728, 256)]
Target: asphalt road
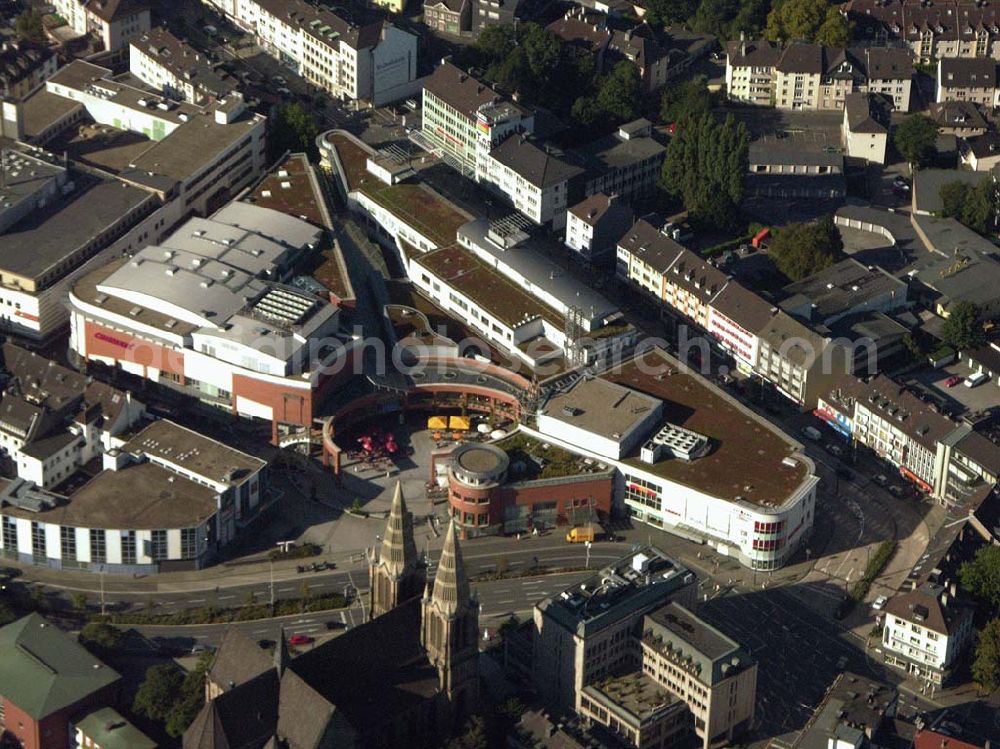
[(235, 588), (498, 600)]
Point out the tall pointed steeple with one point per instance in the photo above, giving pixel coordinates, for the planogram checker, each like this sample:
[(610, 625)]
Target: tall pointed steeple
[(395, 573), (449, 628), (451, 586), (399, 550)]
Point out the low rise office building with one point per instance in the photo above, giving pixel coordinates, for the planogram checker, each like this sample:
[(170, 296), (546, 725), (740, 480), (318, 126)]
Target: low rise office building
[(167, 499)]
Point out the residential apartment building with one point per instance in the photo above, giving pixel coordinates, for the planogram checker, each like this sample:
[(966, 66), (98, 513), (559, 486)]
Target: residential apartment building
[(534, 178), (865, 128), (177, 69), (466, 119), (967, 79), (206, 311), (374, 62), (23, 67), (113, 22), (56, 419), (951, 28), (925, 631), (774, 345), (813, 77), (594, 225), (448, 16)]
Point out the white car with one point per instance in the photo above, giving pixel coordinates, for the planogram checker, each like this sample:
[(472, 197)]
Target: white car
[(879, 603)]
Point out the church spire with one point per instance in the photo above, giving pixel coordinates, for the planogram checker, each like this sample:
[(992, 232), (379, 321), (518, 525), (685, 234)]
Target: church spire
[(395, 573), (451, 586), (399, 550)]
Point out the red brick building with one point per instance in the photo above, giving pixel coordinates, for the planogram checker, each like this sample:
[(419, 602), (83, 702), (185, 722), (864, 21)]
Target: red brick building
[(47, 678), (506, 488)]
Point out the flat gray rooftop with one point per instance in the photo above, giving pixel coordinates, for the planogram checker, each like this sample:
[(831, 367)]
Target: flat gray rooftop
[(192, 451), (601, 407), (48, 236)]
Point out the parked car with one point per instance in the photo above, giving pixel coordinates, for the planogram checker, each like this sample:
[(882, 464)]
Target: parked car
[(300, 639), (812, 433), (879, 603), (900, 183), (952, 381), (833, 449), (335, 624), (845, 473), (896, 491), (881, 480), (265, 644)]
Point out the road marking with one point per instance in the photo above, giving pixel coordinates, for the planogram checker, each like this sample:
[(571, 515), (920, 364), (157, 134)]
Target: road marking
[(259, 631), (505, 600), (285, 590), (196, 600), (526, 583), (223, 598)]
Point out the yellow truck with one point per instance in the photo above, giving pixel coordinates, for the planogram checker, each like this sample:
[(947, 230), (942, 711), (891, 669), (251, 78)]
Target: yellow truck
[(581, 534)]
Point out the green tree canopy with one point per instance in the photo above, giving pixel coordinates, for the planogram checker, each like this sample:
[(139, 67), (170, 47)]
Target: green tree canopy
[(474, 737), (29, 26), (975, 206), (294, 129), (807, 20), (801, 249), (660, 13), (620, 94), (705, 166), (100, 636), (190, 698), (962, 330), (158, 691), (981, 576), (688, 99), (915, 140), (986, 665)]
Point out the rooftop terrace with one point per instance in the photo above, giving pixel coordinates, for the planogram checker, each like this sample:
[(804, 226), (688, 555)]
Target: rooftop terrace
[(747, 456), (414, 203), (634, 696), (532, 459)]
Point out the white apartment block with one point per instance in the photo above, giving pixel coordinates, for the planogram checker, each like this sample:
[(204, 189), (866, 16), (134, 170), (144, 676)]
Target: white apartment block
[(180, 71), (925, 631), (375, 62), (114, 22)]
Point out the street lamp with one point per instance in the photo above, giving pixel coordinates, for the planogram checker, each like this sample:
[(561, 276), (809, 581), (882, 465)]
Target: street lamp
[(587, 545)]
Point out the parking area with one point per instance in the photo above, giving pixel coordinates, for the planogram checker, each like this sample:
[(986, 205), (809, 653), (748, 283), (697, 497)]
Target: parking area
[(942, 386)]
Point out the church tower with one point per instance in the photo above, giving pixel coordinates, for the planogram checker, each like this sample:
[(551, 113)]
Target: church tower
[(395, 574), (450, 628)]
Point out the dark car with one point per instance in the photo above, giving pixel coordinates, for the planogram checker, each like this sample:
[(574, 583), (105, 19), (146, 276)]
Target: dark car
[(265, 644), (334, 624)]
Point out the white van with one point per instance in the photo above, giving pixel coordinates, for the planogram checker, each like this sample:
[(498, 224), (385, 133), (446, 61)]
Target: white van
[(813, 433), (972, 380)]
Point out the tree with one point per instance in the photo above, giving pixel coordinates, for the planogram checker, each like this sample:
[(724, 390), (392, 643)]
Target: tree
[(981, 576), (713, 16), (294, 129), (100, 637), (915, 140), (620, 94), (29, 26), (660, 13), (705, 166), (986, 666), (801, 249), (963, 331), (798, 20), (79, 602), (191, 698), (158, 691), (835, 31), (685, 99), (976, 206)]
